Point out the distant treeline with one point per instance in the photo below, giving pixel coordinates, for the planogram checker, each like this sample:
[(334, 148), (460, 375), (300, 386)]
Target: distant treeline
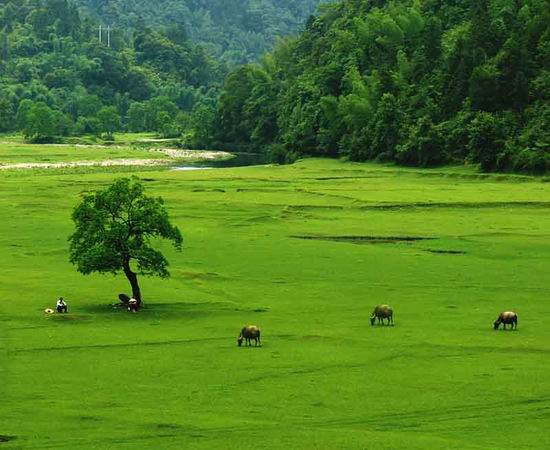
[(419, 83), (235, 31), (58, 79)]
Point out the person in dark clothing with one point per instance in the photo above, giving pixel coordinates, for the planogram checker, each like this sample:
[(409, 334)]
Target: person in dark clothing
[(133, 305)]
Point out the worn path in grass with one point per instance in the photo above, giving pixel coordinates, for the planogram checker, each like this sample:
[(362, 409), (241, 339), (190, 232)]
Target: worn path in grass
[(16, 154), (305, 252)]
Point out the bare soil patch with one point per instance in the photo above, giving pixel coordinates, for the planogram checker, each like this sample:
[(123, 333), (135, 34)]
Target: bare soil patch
[(365, 239), (446, 252), (104, 163)]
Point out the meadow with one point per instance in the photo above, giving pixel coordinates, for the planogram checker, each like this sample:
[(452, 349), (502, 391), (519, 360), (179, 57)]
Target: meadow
[(305, 252), (15, 151)]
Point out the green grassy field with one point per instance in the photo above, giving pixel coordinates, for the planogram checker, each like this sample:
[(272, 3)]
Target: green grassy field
[(299, 251), (21, 152)]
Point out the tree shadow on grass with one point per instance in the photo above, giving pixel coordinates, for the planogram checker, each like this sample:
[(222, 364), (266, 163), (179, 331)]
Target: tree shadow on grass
[(174, 310)]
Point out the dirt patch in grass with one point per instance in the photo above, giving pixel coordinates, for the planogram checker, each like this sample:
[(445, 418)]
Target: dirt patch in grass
[(168, 426), (208, 190), (201, 274), (344, 177), (105, 163), (254, 220), (5, 438), (446, 252), (90, 419), (458, 205), (365, 239), (300, 208)]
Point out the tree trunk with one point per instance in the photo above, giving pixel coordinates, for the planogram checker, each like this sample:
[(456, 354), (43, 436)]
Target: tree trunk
[(132, 278)]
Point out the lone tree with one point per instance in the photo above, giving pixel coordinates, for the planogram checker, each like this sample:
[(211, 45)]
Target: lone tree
[(114, 232), (109, 120)]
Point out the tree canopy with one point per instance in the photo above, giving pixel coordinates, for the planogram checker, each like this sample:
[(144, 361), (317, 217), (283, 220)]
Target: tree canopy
[(235, 32), (57, 75), (156, 63), (115, 230), (417, 83)]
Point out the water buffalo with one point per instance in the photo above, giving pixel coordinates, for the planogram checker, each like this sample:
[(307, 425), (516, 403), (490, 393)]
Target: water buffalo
[(506, 317), (124, 299), (382, 312), (248, 333)]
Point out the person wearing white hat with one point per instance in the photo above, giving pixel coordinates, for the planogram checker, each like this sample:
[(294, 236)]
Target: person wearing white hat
[(132, 305)]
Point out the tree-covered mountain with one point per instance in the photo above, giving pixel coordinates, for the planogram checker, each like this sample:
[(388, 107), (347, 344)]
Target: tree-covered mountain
[(235, 31), (58, 78), (417, 82)]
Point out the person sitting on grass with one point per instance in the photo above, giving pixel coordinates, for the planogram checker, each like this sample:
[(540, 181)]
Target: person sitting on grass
[(132, 305), (61, 306)]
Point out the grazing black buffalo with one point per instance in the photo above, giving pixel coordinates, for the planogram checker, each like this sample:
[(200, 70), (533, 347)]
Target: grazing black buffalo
[(248, 333), (124, 299), (382, 312), (505, 318)]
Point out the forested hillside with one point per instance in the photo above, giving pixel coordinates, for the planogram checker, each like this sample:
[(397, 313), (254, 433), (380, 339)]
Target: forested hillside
[(417, 82), (57, 78), (236, 31)]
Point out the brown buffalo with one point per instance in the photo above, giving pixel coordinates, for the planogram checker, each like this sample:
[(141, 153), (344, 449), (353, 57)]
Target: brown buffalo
[(248, 333), (382, 312), (505, 318)]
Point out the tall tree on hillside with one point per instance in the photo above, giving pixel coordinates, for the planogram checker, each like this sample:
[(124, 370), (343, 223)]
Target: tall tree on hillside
[(39, 123), (115, 229), (109, 120)]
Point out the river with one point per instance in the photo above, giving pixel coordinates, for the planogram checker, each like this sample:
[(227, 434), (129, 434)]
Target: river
[(239, 160)]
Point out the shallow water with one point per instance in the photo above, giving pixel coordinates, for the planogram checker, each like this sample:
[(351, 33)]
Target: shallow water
[(239, 160), (191, 168)]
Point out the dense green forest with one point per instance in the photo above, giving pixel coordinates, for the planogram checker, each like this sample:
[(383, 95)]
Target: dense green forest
[(420, 83), (57, 78), (236, 31), (414, 82), (60, 75)]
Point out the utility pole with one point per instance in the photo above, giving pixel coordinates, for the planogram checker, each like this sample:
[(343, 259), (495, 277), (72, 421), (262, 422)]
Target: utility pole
[(105, 30)]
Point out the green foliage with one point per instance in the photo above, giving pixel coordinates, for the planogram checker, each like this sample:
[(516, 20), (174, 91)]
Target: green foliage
[(87, 125), (61, 65), (424, 145), (115, 228), (236, 118), (487, 140), (203, 127), (109, 120), (6, 115), (418, 83), (235, 32), (40, 123)]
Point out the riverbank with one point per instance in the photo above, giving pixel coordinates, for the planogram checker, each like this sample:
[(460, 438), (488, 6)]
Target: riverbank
[(23, 156)]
